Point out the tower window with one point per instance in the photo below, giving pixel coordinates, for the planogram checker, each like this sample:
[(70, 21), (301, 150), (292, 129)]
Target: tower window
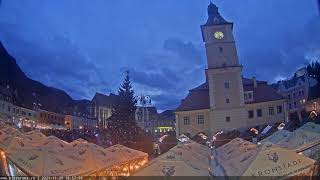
[(271, 111), (228, 119), (250, 114), (227, 85), (186, 120), (279, 109), (259, 112), (201, 119), (220, 49)]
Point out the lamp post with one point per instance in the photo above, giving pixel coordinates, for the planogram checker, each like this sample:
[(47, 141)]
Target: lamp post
[(36, 108)]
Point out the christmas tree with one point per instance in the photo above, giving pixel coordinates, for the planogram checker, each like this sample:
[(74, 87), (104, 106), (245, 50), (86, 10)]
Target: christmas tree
[(122, 125)]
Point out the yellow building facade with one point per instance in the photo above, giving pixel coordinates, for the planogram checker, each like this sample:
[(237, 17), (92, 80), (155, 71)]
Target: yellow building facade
[(227, 100)]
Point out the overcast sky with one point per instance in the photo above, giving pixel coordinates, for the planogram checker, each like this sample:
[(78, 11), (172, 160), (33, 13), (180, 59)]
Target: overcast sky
[(84, 46)]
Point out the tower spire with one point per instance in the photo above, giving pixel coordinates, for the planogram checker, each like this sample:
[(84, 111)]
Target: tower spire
[(214, 17)]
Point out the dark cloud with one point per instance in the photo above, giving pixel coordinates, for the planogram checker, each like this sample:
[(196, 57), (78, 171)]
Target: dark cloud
[(291, 51), (60, 65), (83, 46)]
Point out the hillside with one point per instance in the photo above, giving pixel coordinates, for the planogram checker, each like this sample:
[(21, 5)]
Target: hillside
[(24, 88)]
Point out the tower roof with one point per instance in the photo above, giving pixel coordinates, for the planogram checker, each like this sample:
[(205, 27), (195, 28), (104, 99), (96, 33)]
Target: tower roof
[(214, 17)]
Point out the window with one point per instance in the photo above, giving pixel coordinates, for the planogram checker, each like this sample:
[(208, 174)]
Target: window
[(245, 96), (29, 114), (249, 95), (299, 93), (186, 120), (201, 119), (295, 104), (228, 119), (294, 95), (227, 85), (259, 112), (279, 109), (290, 106), (9, 108), (271, 111), (250, 114), (302, 92), (220, 49), (227, 100), (289, 97)]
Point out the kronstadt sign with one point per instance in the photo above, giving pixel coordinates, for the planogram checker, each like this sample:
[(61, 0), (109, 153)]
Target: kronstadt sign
[(279, 169)]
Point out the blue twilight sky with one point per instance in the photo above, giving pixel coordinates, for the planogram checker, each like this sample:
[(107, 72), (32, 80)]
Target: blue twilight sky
[(84, 46)]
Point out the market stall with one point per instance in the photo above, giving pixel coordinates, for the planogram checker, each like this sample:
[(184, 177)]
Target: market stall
[(277, 137), (126, 160), (170, 164), (91, 154), (272, 160), (243, 158), (54, 144), (228, 160), (196, 154), (185, 159), (6, 138), (39, 162), (305, 140)]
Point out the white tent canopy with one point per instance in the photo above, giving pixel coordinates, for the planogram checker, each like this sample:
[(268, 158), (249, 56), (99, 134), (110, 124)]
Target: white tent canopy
[(38, 162), (190, 159), (278, 136), (273, 160), (169, 164), (243, 158), (38, 155)]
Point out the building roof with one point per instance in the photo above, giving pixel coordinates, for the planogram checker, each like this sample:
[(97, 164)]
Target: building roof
[(167, 115), (292, 82), (105, 100), (263, 93), (198, 98)]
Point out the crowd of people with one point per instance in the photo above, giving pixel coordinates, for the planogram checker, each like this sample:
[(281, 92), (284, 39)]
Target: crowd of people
[(71, 135)]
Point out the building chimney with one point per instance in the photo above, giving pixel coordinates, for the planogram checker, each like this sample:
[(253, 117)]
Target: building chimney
[(254, 80)]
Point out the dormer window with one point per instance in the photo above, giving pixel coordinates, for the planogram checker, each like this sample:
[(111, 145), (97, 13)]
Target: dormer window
[(248, 96)]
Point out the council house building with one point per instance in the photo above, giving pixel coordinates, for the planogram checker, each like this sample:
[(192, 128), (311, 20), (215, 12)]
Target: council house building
[(227, 100)]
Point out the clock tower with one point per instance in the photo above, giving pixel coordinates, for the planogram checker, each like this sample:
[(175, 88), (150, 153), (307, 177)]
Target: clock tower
[(224, 73)]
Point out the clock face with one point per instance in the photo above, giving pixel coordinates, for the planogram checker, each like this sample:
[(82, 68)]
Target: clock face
[(218, 35)]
